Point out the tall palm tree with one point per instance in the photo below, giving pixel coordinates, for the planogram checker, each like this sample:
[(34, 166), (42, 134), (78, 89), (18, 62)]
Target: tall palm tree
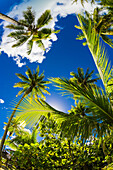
[(83, 79), (101, 23), (97, 50), (33, 84), (28, 31)]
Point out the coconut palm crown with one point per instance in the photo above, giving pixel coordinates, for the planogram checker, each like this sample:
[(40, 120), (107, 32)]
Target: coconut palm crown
[(28, 31), (33, 83), (83, 79)]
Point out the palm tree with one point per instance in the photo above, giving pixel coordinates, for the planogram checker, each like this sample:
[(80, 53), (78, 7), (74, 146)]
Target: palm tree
[(28, 31), (97, 50), (33, 84), (101, 23), (93, 115), (82, 79)]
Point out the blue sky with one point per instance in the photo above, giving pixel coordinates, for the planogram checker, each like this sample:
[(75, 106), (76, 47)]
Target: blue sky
[(65, 54)]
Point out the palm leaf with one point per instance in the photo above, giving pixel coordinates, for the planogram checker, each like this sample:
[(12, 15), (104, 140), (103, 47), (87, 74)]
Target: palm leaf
[(44, 33), (16, 27), (29, 16), (30, 111), (107, 40), (93, 98), (29, 73), (29, 46), (21, 41), (44, 19), (98, 52), (21, 84), (40, 44), (22, 77), (22, 91)]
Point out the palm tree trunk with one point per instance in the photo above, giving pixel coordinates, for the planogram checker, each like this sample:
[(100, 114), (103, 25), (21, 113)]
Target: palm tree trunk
[(6, 18), (9, 19), (8, 124)]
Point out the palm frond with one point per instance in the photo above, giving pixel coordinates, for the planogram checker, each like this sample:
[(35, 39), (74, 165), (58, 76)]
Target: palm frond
[(29, 73), (29, 46), (16, 27), (93, 98), (22, 91), (83, 127), (44, 19), (30, 111), (40, 44), (21, 41), (21, 84), (29, 16), (44, 33), (17, 35), (107, 40), (98, 51), (22, 77)]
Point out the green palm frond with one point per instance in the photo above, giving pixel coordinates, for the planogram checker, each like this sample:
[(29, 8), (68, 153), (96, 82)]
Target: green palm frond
[(83, 128), (21, 41), (17, 35), (22, 91), (29, 74), (40, 44), (30, 111), (29, 46), (44, 19), (16, 27), (22, 77), (107, 40), (29, 16), (93, 98), (21, 84), (98, 52)]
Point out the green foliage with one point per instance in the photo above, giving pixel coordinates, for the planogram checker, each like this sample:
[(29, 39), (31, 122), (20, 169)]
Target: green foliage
[(97, 50), (31, 111), (28, 31), (55, 152), (33, 83)]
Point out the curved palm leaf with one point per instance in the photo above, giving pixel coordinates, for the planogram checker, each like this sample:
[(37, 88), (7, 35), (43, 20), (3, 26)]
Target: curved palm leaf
[(93, 98), (44, 19), (31, 111), (97, 50)]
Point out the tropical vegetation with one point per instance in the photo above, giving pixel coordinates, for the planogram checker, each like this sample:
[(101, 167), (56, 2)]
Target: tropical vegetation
[(81, 138)]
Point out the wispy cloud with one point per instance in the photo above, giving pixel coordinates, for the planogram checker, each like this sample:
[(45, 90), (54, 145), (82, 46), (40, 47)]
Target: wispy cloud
[(61, 8), (1, 101)]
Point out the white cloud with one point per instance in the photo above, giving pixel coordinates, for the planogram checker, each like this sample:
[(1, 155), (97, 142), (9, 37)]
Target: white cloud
[(64, 8), (1, 101)]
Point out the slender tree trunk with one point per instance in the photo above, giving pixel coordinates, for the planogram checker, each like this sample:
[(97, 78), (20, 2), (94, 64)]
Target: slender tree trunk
[(6, 18), (8, 124), (9, 19)]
